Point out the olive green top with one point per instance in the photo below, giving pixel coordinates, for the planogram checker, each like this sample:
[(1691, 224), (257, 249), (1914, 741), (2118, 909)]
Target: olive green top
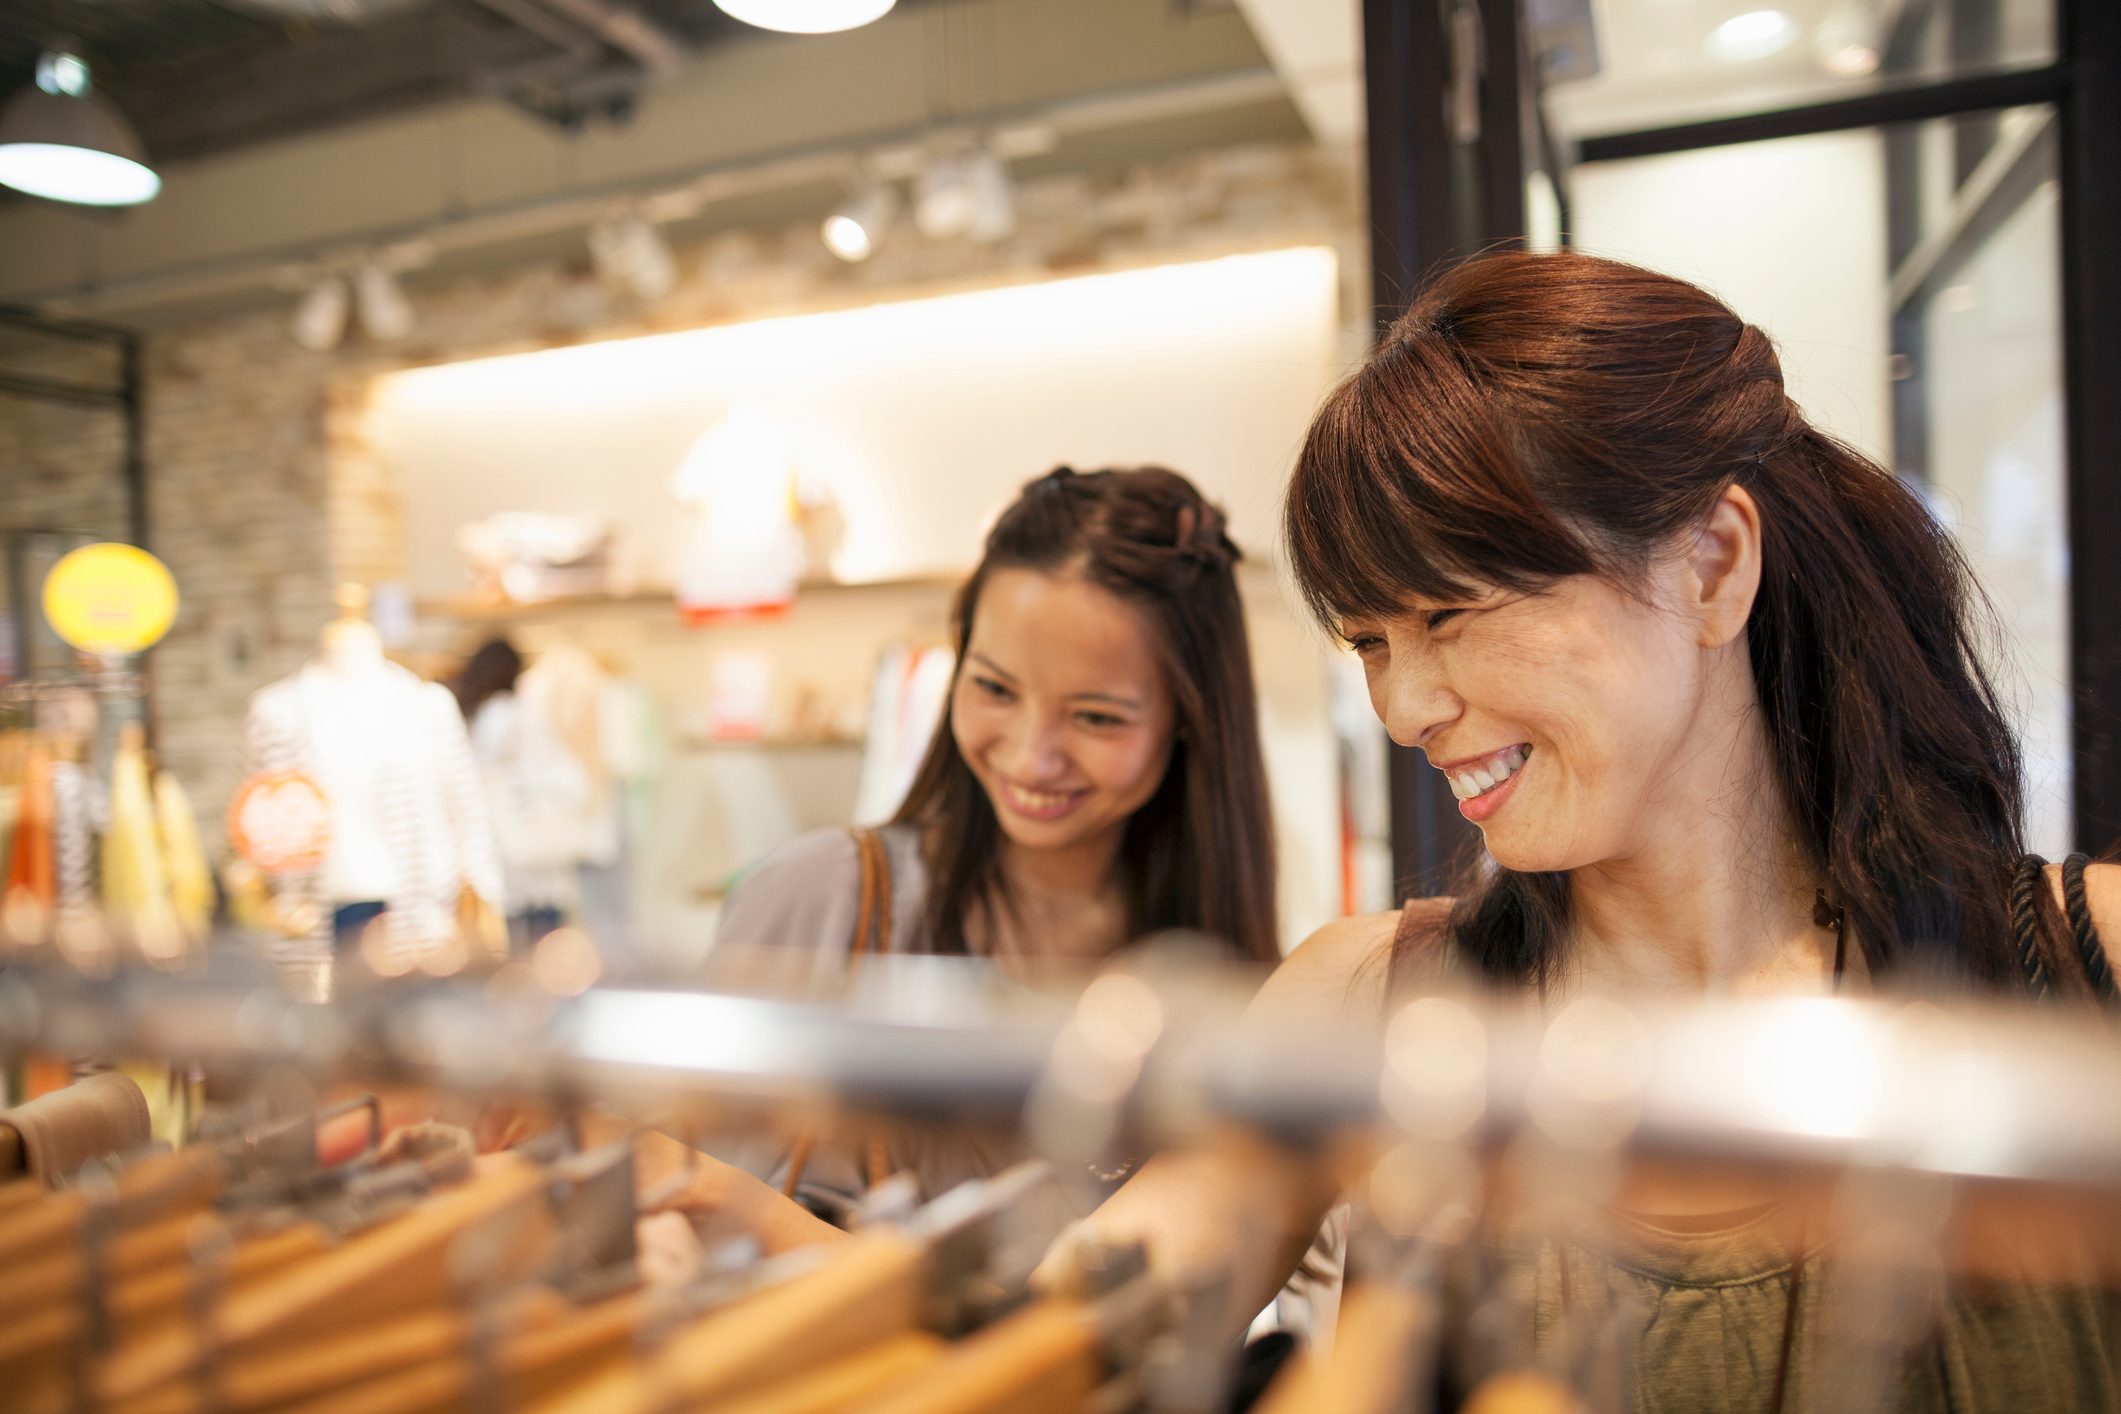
[(1725, 1320), (1685, 1317)]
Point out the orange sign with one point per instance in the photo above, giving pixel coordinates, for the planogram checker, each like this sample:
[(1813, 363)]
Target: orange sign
[(280, 822)]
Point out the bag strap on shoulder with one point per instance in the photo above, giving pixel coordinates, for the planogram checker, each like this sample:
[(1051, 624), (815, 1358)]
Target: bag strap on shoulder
[(2029, 899), (872, 938), (2090, 950), (872, 919)]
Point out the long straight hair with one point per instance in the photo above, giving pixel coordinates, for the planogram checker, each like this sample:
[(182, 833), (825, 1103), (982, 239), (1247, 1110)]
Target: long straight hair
[(1539, 416), (1200, 853)]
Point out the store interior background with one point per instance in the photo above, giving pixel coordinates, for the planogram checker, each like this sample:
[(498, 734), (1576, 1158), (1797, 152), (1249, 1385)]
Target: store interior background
[(1185, 274)]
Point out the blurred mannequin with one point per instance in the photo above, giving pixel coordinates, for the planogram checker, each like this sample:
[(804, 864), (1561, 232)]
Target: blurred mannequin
[(409, 831)]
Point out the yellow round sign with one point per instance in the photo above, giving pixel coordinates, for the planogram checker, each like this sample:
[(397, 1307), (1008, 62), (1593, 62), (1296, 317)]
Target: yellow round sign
[(110, 599)]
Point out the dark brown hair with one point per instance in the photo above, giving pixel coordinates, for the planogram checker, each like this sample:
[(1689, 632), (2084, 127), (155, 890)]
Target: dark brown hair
[(1539, 416), (1200, 853), (490, 671)]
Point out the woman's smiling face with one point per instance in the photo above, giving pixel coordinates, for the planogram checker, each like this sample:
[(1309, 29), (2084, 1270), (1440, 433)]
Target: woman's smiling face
[(1562, 718), (1061, 708)]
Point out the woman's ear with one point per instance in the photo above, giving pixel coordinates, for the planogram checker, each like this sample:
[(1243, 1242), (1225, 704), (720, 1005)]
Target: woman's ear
[(1723, 567)]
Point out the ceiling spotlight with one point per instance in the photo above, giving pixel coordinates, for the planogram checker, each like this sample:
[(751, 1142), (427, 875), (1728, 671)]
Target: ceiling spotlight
[(1853, 61), (380, 301), (806, 16), (630, 251), (1753, 35), (320, 315), (61, 140), (993, 199), (854, 231), (1847, 41), (964, 193), (942, 196)]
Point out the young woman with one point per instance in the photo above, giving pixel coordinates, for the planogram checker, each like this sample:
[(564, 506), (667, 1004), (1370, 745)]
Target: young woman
[(1706, 681), (1098, 778)]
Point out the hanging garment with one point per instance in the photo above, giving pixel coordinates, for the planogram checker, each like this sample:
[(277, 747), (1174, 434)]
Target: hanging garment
[(73, 840), (32, 881), (539, 795), (907, 696), (191, 882), (136, 894), (634, 749), (409, 824)]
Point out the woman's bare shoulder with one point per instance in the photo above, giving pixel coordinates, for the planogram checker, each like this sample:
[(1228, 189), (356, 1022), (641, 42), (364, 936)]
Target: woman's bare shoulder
[(1349, 960)]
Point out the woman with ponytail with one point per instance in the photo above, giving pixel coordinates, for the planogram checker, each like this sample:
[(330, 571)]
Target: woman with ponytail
[(1708, 682)]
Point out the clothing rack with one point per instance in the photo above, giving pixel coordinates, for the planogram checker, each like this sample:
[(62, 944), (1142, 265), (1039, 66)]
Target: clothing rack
[(248, 1270), (1970, 1092)]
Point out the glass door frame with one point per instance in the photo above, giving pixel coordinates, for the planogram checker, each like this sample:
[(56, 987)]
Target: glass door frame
[(1452, 135)]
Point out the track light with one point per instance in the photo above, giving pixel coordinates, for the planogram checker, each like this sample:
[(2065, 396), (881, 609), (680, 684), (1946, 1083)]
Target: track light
[(1757, 34), (320, 315), (993, 216), (806, 16), (379, 300), (1848, 41), (630, 251), (964, 193), (942, 196), (61, 140), (857, 228)]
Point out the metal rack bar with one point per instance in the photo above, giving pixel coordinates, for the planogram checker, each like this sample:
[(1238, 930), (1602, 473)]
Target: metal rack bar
[(1969, 1092)]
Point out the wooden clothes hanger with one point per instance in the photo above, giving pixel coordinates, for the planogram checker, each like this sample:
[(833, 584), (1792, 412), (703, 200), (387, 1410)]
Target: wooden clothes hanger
[(402, 1263), (1048, 1358), (868, 1289), (1384, 1347), (434, 1349), (541, 1344), (854, 1382), (160, 1185)]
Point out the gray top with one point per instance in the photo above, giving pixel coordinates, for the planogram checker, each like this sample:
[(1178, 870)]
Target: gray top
[(803, 899), (805, 896)]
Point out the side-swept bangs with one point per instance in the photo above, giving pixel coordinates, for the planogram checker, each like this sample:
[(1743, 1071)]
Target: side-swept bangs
[(1415, 483)]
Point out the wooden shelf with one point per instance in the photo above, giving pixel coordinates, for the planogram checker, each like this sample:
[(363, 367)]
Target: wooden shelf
[(706, 744), (472, 609)]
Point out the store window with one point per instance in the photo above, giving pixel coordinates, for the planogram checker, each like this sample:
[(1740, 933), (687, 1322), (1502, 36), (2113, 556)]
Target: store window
[(1923, 325), (64, 449), (1663, 62)]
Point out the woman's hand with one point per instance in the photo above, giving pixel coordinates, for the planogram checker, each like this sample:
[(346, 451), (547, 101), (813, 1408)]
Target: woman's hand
[(1238, 1208), (676, 1177)]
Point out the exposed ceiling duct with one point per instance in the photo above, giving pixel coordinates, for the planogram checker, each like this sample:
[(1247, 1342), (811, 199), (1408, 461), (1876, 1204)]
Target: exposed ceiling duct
[(891, 156), (351, 12), (200, 77)]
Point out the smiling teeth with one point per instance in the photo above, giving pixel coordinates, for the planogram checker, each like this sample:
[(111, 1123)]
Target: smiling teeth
[(1035, 800), (1479, 780)]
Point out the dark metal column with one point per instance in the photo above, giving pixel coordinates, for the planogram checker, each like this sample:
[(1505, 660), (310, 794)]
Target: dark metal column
[(1446, 151), (133, 389), (2091, 340)]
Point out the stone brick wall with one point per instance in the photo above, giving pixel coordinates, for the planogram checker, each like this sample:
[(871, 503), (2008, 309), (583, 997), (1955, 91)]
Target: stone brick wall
[(263, 492)]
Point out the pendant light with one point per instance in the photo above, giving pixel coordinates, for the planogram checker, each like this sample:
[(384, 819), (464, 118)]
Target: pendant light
[(807, 16), (62, 141)]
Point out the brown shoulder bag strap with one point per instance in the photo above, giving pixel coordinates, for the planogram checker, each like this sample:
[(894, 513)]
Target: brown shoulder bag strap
[(872, 935)]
